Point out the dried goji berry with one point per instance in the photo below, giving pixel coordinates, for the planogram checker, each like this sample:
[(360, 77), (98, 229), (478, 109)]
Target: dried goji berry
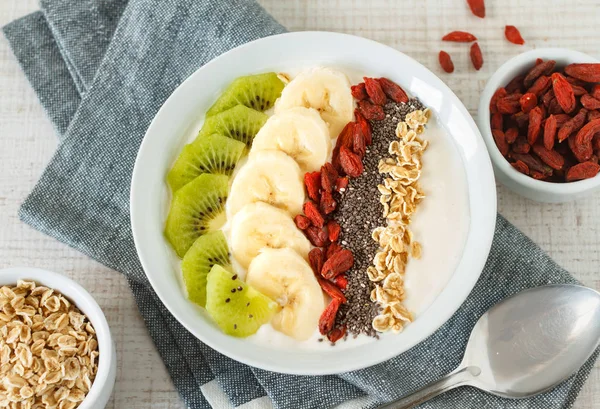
[(588, 72), (364, 125), (582, 171), (477, 7), (314, 215), (521, 146), (516, 84), (345, 138), (538, 175), (547, 97), (316, 258), (460, 37), (338, 263), (535, 125), (509, 104), (370, 111), (534, 164), (500, 93), (341, 281), (528, 102), (500, 139), (333, 230), (446, 62), (538, 61), (563, 92), (332, 249), (578, 90), (595, 92), (582, 151), (590, 102), (374, 91), (341, 183), (359, 144), (585, 134), (476, 56), (549, 157), (554, 107), (316, 236), (550, 132), (312, 181), (596, 142), (301, 221), (513, 35), (336, 334), (350, 162), (497, 121), (327, 204), (335, 160), (561, 119), (572, 125), (521, 119), (537, 71), (332, 290), (359, 91), (393, 90), (327, 319), (511, 135), (328, 177), (521, 167), (593, 115), (540, 86)]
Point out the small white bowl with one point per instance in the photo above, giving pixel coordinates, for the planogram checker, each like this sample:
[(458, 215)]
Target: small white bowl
[(102, 387), (517, 182)]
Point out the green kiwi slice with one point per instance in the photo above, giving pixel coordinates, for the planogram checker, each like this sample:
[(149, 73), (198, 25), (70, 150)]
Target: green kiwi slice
[(258, 92), (206, 251), (196, 209), (237, 308), (240, 123), (209, 154)]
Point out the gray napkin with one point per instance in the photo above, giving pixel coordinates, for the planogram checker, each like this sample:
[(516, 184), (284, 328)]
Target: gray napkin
[(101, 94)]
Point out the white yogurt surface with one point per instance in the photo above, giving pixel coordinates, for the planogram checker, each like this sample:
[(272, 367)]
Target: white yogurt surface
[(440, 224)]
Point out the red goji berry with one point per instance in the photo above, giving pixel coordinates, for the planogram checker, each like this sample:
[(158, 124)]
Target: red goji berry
[(516, 84), (359, 144), (350, 162), (521, 167), (359, 91), (336, 334), (497, 121), (302, 222), (528, 102), (312, 181), (338, 263), (549, 157), (327, 319), (393, 91), (460, 37), (476, 56), (341, 281), (590, 102), (371, 111), (550, 132), (446, 62), (537, 71), (374, 91), (332, 290), (513, 35), (364, 125), (316, 236), (316, 258), (477, 7), (587, 72), (540, 86), (332, 249), (333, 230), (500, 93), (572, 125), (341, 183), (328, 177), (327, 204), (314, 215), (582, 171), (563, 92), (511, 135), (500, 139), (535, 125)]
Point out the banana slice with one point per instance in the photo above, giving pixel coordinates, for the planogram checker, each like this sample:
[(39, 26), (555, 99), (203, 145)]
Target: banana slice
[(258, 225), (268, 176), (301, 133), (324, 89), (284, 276)]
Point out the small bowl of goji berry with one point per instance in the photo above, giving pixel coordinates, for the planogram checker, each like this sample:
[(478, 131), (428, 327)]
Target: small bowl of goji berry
[(539, 115)]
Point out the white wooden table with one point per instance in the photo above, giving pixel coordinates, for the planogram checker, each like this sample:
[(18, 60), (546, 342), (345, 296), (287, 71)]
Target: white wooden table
[(570, 233)]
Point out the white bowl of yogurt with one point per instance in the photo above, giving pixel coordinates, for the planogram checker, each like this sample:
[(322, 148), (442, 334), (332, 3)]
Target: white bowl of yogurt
[(455, 224)]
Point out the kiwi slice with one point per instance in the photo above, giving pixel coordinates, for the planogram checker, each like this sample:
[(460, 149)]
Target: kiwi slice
[(240, 123), (196, 209), (209, 154), (237, 308), (258, 92), (206, 251)]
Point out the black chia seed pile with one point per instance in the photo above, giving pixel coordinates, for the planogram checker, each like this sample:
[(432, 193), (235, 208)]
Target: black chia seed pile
[(359, 213)]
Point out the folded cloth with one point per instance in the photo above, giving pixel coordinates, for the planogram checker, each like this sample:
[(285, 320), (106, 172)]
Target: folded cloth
[(72, 58)]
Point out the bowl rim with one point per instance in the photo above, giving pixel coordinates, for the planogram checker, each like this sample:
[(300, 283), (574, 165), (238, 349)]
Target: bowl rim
[(83, 300), (497, 80), (479, 236)]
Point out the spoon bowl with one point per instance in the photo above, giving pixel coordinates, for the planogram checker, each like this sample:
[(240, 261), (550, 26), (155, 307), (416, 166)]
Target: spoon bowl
[(525, 344)]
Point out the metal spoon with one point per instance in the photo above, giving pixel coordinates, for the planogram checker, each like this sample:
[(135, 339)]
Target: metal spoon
[(524, 345)]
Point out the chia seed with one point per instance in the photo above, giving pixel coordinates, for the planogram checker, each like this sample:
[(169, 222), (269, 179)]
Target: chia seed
[(358, 214)]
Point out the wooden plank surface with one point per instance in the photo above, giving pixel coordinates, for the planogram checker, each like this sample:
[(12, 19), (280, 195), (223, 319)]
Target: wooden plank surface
[(570, 232)]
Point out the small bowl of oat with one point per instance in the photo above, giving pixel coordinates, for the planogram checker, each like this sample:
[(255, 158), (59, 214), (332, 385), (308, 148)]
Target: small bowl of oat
[(56, 350)]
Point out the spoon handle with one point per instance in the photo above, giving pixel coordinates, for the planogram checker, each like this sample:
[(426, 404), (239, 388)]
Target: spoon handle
[(459, 377)]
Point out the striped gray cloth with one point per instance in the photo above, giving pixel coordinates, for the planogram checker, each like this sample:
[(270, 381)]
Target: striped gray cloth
[(102, 69)]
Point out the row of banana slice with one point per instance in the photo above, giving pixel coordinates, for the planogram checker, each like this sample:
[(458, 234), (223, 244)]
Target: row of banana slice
[(268, 191)]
